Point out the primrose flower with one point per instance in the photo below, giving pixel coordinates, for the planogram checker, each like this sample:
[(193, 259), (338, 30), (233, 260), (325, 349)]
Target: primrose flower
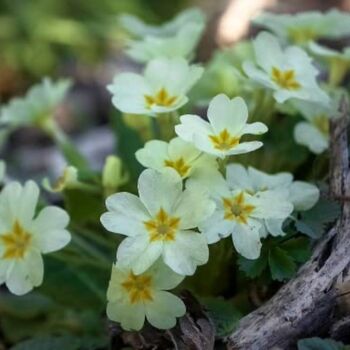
[(161, 89), (306, 26), (338, 61), (181, 44), (314, 131), (221, 136), (68, 179), (159, 223), (239, 213), (37, 107), (24, 237), (288, 73), (132, 298), (138, 28), (301, 194), (177, 154)]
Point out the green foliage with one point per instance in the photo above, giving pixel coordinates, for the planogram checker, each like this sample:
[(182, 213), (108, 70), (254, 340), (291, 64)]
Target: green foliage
[(315, 221), (65, 342), (128, 142), (224, 314), (280, 258), (321, 344)]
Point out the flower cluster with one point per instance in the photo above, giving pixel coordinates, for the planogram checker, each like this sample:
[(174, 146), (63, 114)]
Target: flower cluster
[(188, 184)]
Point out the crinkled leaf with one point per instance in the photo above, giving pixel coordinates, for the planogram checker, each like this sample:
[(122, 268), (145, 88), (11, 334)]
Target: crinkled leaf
[(298, 249), (224, 314), (320, 344), (282, 266), (253, 268), (314, 221)]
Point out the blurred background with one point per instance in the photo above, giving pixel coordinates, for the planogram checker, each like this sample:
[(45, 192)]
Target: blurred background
[(81, 40)]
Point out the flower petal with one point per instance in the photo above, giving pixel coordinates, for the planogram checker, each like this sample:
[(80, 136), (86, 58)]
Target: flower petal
[(164, 309), (164, 278), (189, 250), (153, 154), (303, 195), (308, 135), (159, 189)]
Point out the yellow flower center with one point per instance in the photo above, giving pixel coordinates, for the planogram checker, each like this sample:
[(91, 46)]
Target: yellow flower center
[(301, 35), (163, 227), (161, 98), (224, 141), (179, 165), (322, 124), (138, 288), (16, 242), (285, 79), (236, 209)]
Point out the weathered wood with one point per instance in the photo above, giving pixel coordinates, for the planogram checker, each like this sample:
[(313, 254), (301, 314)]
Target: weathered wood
[(305, 305)]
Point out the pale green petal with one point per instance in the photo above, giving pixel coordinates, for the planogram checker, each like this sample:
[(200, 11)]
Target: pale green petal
[(254, 129), (224, 113), (163, 310), (179, 148), (275, 227), (189, 250), (262, 181), (237, 178), (35, 265), (138, 253), (18, 281), (268, 51), (246, 240), (192, 208), (190, 125), (159, 189), (25, 208), (164, 278), (115, 291), (216, 227), (128, 91), (130, 316), (126, 214), (245, 147), (258, 75), (307, 135), (272, 204), (153, 154), (2, 170), (303, 195)]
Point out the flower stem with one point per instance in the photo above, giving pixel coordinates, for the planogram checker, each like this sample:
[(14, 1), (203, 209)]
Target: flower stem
[(155, 128)]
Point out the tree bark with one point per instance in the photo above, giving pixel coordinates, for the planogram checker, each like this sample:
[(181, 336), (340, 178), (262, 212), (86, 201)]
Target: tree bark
[(305, 305)]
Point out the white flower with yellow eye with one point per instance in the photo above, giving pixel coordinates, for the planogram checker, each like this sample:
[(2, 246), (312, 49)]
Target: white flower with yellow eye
[(288, 73), (314, 131), (221, 136), (132, 298), (177, 154), (181, 44), (24, 237), (140, 29), (36, 108), (301, 194), (239, 213), (159, 222), (161, 89), (304, 27)]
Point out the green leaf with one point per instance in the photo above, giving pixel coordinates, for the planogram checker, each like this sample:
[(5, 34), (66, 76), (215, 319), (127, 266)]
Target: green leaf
[(25, 306), (298, 249), (314, 221), (64, 342), (282, 266), (320, 344), (253, 268), (129, 141), (224, 314)]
